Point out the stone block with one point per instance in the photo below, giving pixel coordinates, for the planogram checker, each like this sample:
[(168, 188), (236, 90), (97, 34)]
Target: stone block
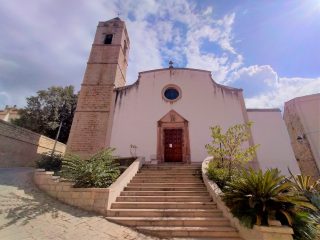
[(100, 203), (75, 195), (87, 195), (274, 233), (101, 195), (66, 188)]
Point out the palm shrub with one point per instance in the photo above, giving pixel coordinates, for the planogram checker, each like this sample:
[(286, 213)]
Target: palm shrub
[(50, 162), (310, 189), (306, 222), (256, 197), (306, 225), (100, 170)]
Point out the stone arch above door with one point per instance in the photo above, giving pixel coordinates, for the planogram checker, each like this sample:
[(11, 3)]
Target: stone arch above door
[(172, 127)]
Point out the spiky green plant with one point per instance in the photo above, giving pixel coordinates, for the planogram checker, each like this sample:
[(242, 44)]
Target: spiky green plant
[(306, 222), (100, 170), (305, 185), (256, 197)]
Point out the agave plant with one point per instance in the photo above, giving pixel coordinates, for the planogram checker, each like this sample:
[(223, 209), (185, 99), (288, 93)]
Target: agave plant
[(257, 197), (306, 186)]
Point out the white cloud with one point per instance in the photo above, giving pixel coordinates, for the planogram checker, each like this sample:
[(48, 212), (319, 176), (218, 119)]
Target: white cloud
[(268, 90), (226, 37), (45, 43), (185, 28), (144, 53)]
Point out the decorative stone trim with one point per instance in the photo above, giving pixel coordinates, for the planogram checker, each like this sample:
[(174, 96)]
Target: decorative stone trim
[(258, 232), (91, 199)]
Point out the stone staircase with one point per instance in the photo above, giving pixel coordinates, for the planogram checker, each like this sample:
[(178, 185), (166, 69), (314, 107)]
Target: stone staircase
[(171, 201)]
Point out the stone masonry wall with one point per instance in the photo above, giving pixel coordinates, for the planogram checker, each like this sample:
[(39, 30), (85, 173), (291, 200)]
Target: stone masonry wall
[(302, 151), (91, 199), (20, 147)]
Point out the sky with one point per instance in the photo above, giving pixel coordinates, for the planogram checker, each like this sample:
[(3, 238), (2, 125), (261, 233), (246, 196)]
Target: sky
[(270, 49)]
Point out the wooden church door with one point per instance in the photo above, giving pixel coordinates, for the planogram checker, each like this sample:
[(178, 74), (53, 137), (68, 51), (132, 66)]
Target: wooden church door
[(173, 142)]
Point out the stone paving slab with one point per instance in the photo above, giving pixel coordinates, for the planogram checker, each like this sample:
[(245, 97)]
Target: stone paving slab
[(26, 213)]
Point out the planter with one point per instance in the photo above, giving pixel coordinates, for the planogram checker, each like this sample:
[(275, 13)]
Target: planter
[(92, 199), (258, 232)]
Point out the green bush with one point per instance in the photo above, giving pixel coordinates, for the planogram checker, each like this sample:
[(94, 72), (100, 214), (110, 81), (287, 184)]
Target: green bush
[(218, 173), (50, 162), (100, 170), (256, 197)]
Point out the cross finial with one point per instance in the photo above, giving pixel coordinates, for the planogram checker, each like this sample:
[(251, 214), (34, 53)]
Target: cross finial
[(170, 64), (118, 14)]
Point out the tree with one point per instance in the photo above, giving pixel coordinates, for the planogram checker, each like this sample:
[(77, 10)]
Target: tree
[(229, 147), (45, 111)]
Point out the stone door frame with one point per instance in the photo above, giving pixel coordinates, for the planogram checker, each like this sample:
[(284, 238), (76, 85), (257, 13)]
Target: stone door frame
[(173, 120)]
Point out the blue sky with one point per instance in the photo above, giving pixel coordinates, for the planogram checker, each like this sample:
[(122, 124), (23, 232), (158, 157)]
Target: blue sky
[(269, 48)]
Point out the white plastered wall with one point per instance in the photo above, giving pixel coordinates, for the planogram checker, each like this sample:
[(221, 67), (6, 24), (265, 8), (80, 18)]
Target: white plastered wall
[(275, 151), (203, 104)]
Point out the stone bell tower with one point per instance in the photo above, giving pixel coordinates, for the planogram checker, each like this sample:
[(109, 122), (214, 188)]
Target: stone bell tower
[(106, 69)]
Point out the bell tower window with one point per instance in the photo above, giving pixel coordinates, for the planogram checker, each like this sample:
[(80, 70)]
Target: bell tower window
[(108, 39), (125, 47)]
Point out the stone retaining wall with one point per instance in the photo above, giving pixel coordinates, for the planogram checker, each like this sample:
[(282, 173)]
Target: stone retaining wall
[(92, 199), (20, 147)]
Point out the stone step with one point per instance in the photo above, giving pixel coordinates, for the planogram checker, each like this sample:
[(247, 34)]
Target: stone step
[(172, 166), (163, 205), (165, 213), (167, 173), (164, 193), (171, 221), (163, 188), (219, 233), (159, 168), (165, 180), (194, 185), (172, 177), (170, 171), (164, 199)]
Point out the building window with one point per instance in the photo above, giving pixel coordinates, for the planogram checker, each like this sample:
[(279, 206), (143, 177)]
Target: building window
[(125, 47), (171, 93), (108, 39)]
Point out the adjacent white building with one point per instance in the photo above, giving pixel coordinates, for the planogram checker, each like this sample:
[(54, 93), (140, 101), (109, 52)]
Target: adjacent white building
[(302, 116)]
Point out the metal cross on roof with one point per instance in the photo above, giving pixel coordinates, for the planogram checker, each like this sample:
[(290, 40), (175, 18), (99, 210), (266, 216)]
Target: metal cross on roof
[(170, 64)]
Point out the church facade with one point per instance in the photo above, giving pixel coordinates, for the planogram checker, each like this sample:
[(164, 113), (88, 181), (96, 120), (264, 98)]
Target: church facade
[(166, 114)]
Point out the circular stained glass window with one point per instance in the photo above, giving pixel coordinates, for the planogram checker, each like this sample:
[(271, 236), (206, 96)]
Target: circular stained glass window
[(171, 93)]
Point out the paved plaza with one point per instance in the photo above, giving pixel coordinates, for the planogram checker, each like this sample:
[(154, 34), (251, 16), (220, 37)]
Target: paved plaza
[(26, 213)]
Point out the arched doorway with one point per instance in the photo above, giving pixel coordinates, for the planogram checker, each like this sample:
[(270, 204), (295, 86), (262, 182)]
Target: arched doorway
[(173, 144)]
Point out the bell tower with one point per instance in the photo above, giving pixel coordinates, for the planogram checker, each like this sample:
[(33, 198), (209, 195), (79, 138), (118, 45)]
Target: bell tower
[(106, 69)]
